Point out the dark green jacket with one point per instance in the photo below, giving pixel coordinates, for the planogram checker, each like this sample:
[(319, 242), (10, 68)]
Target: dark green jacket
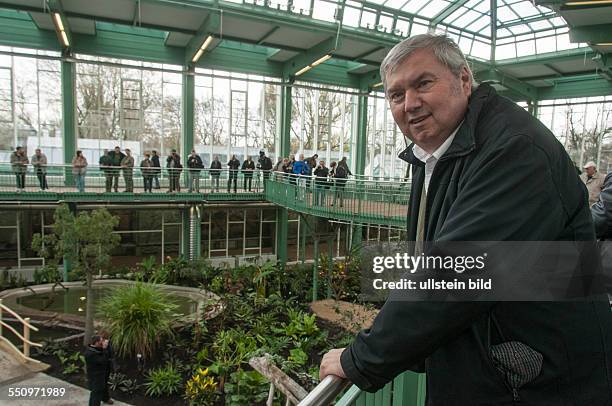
[(505, 177)]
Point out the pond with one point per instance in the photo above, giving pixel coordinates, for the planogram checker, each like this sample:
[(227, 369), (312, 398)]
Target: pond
[(73, 300)]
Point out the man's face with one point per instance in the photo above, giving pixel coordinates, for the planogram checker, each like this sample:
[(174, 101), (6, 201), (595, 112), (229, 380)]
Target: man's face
[(427, 100), (117, 150), (37, 152), (590, 171)]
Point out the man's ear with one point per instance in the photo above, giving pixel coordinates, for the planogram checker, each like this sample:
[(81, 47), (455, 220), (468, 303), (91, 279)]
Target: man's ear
[(466, 81)]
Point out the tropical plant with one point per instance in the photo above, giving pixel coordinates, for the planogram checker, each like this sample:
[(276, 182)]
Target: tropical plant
[(165, 381), (119, 381), (138, 317), (246, 388), (201, 388), (85, 240), (72, 363)]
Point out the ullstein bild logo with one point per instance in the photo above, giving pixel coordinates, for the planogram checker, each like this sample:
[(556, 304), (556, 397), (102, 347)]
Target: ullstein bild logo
[(406, 262)]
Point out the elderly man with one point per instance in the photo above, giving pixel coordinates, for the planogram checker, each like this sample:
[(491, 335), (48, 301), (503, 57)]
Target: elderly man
[(483, 170), (593, 180)]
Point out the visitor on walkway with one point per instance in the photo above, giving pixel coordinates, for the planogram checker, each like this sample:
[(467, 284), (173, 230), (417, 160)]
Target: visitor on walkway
[(127, 165), (19, 164), (321, 183), (146, 168), (264, 164), (79, 169), (215, 172), (593, 180), (248, 167), (173, 164), (233, 165), (194, 164), (157, 168), (116, 157), (106, 166), (39, 163), (340, 174)]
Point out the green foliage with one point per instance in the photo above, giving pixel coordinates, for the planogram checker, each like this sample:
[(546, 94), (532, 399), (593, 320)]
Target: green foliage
[(246, 388), (10, 280), (165, 381), (119, 381), (137, 317), (231, 349), (201, 388), (49, 273), (71, 363), (298, 357)]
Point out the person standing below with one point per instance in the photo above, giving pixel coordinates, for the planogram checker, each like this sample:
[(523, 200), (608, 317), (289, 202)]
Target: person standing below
[(215, 172), (146, 168), (97, 364), (106, 166), (340, 174), (127, 165), (19, 163), (194, 165), (248, 167), (484, 169), (156, 168), (233, 165), (173, 163), (116, 157), (593, 180), (321, 174), (79, 169), (39, 162)]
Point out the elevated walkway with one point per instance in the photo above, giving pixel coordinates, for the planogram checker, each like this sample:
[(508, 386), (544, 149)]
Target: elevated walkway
[(359, 200)]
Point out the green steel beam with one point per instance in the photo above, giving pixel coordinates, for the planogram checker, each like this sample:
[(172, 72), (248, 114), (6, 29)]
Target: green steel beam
[(362, 133), (450, 9), (593, 86), (550, 57), (525, 90), (210, 26), (493, 22), (370, 80), (309, 56), (68, 115), (593, 34)]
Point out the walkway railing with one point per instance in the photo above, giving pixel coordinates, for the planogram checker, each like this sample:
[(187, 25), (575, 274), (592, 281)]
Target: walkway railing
[(25, 338), (356, 201), (96, 179)]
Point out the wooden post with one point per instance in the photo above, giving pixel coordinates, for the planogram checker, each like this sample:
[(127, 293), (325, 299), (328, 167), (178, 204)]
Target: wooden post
[(270, 400), (26, 336)]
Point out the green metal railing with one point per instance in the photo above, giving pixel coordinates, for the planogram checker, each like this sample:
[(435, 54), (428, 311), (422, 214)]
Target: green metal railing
[(355, 201)]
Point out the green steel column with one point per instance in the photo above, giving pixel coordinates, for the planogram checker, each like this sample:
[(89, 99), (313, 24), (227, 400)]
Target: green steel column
[(302, 239), (184, 246), (66, 261), (282, 234), (284, 130), (68, 116), (330, 269), (360, 155), (315, 270), (532, 107), (188, 118), (283, 139)]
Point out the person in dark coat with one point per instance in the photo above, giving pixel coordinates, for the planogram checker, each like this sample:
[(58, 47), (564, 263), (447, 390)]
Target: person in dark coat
[(194, 163), (321, 174), (248, 167), (215, 173), (234, 165), (483, 170), (156, 171), (173, 164), (116, 157), (98, 365), (106, 166)]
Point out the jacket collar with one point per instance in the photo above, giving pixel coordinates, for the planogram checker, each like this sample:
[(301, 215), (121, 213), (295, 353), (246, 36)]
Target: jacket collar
[(465, 139)]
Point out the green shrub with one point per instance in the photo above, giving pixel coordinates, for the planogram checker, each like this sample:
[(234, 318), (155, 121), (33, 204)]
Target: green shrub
[(138, 317), (164, 381)]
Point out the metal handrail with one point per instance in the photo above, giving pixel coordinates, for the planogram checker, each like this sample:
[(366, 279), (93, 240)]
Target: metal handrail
[(326, 391)]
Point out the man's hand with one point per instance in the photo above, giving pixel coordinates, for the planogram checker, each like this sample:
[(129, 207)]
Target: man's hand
[(330, 364)]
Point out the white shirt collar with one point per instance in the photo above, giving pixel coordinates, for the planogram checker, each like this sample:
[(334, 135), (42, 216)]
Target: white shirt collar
[(423, 155)]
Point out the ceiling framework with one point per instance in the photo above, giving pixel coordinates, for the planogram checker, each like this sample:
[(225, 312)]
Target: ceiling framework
[(332, 42)]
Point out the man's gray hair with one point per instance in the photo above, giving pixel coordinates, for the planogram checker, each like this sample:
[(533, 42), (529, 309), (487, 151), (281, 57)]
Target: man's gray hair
[(444, 48)]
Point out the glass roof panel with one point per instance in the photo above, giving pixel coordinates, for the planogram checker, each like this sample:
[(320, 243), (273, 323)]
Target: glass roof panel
[(414, 6), (433, 8)]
